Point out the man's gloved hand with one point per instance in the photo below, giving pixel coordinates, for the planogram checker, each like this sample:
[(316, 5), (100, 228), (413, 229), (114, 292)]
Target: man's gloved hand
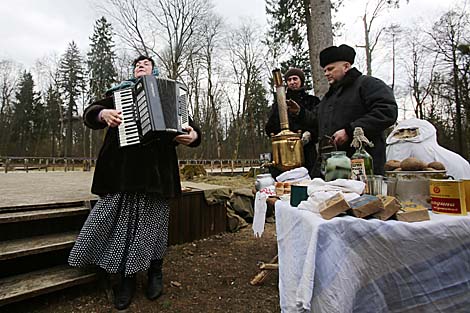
[(306, 137), (293, 107)]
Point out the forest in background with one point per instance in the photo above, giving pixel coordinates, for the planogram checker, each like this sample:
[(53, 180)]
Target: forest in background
[(228, 72)]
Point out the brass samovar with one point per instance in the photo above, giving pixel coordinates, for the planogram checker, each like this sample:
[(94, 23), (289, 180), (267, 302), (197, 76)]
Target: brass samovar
[(287, 145)]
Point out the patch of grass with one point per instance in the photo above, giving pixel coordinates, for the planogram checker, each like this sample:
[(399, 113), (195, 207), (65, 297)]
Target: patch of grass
[(236, 181)]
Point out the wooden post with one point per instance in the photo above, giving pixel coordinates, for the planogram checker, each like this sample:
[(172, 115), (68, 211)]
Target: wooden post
[(26, 165), (47, 164), (65, 165), (261, 276)]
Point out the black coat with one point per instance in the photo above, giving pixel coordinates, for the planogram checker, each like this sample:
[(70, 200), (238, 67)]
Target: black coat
[(304, 121), (151, 168), (359, 101)]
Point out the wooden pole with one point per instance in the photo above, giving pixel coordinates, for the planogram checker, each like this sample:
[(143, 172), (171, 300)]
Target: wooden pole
[(261, 276)]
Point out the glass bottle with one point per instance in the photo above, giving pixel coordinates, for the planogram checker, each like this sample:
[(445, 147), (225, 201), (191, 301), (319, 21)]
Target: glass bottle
[(338, 165), (361, 161)]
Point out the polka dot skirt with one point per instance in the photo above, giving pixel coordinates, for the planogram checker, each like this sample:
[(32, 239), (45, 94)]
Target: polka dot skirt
[(124, 232)]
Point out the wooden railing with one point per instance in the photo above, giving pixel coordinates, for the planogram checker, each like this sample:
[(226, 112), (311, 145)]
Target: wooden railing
[(26, 164), (46, 164)]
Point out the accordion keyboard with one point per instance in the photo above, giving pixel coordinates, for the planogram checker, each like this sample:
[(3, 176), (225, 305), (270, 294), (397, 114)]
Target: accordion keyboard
[(183, 107), (128, 130)]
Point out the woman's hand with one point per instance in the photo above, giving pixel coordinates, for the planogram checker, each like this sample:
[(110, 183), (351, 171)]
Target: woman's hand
[(188, 138), (111, 117)]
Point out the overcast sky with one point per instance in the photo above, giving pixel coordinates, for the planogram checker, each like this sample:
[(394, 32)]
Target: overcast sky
[(31, 29)]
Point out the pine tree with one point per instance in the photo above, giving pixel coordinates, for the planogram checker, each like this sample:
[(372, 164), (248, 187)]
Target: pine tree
[(71, 83), (101, 70), (53, 105), (288, 29), (101, 58), (23, 120)]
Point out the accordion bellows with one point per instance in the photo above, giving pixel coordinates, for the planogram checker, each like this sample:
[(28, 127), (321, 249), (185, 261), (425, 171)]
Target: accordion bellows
[(152, 108)]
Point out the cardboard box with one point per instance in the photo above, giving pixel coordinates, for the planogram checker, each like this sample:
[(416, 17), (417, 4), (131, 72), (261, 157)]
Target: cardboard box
[(365, 205), (334, 206), (391, 206), (412, 212)]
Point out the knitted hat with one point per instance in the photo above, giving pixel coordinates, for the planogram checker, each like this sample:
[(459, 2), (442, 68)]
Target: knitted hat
[(334, 54), (295, 71)]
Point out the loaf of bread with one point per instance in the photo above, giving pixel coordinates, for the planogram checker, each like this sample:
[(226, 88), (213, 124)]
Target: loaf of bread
[(391, 165), (436, 165), (412, 164)]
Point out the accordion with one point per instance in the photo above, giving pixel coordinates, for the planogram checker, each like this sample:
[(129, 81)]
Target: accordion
[(152, 108)]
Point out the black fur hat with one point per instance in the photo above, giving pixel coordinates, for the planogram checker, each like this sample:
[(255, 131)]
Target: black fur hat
[(334, 54), (295, 71)]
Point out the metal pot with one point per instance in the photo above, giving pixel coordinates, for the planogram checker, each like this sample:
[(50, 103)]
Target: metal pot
[(412, 185), (287, 150)]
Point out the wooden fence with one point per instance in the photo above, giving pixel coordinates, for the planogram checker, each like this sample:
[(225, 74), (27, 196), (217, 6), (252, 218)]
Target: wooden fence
[(26, 164)]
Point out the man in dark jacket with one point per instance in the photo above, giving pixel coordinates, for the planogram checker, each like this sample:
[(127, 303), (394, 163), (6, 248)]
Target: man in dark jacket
[(354, 100), (301, 107)]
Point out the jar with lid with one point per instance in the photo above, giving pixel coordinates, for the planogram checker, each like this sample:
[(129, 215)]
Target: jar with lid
[(338, 165), (263, 181)]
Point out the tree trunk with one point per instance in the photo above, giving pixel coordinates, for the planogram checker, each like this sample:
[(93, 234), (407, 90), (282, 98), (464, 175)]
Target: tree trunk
[(320, 36), (367, 45)]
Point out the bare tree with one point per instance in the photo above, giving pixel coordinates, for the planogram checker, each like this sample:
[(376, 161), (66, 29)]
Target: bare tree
[(8, 81), (211, 35), (420, 65), (128, 17), (447, 35), (181, 22), (394, 31), (246, 56), (164, 28), (371, 38)]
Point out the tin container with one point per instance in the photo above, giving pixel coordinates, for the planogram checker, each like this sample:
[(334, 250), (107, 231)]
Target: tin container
[(448, 196)]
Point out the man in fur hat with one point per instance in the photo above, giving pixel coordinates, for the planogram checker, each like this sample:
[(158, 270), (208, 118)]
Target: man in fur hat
[(354, 100), (301, 107)]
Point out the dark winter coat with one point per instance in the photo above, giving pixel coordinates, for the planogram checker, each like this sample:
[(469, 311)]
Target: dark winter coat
[(151, 168), (304, 121), (359, 101)]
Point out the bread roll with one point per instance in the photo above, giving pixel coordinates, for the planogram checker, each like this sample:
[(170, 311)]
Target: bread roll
[(437, 166), (412, 164), (390, 165)]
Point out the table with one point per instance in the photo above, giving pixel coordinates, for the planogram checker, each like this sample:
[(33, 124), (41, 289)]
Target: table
[(348, 264)]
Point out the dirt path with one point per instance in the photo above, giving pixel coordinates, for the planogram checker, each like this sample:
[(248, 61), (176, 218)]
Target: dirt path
[(213, 274)]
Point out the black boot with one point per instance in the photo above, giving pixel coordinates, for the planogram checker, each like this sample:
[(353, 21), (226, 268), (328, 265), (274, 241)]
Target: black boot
[(125, 292), (155, 280)]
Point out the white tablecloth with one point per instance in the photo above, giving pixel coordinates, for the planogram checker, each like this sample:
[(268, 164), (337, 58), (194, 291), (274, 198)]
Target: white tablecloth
[(349, 264)]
